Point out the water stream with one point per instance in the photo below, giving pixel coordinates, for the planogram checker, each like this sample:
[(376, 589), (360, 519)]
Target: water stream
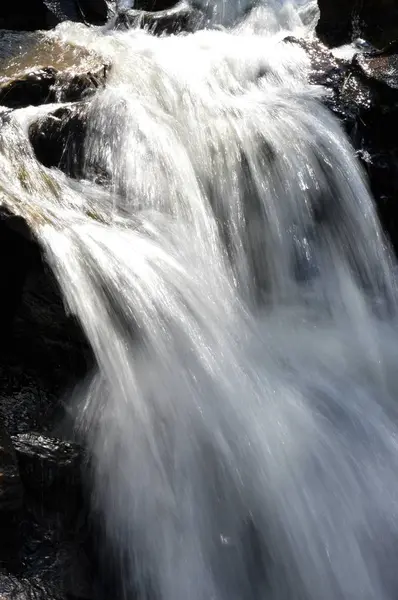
[(239, 295)]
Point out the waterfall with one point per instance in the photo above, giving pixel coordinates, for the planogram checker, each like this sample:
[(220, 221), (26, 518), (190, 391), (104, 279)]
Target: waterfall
[(240, 298)]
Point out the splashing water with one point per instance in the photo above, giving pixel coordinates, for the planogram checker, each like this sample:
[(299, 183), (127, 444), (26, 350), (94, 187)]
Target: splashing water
[(239, 296)]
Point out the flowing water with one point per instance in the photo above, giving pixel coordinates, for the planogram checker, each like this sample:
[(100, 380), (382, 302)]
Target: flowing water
[(235, 285)]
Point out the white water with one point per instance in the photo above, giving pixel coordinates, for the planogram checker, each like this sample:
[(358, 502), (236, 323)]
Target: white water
[(240, 300)]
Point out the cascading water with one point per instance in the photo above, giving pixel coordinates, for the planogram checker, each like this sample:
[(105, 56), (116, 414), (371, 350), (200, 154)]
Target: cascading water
[(237, 291)]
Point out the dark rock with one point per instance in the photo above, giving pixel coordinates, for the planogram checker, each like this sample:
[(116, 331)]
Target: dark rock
[(154, 5), (341, 20), (46, 354), (58, 138), (48, 465), (18, 260), (69, 76), (11, 493), (11, 500), (180, 18), (30, 15), (363, 94), (13, 587), (58, 141), (52, 560)]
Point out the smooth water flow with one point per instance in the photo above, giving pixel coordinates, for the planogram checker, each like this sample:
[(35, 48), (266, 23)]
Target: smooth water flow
[(234, 283)]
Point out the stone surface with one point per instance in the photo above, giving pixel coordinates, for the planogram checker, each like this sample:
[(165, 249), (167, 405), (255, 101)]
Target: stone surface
[(48, 466), (180, 18), (363, 94), (154, 5), (11, 491), (341, 20), (49, 71), (30, 15), (58, 138), (43, 352)]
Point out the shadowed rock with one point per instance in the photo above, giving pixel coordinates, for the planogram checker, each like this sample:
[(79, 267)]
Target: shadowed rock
[(11, 493), (181, 18), (363, 94), (29, 15), (50, 72), (341, 20), (48, 465), (154, 5), (58, 138)]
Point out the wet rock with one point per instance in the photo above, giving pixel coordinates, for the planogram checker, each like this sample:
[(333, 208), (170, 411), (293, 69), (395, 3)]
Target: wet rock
[(45, 352), (13, 587), (11, 500), (53, 525), (11, 492), (30, 15), (17, 259), (46, 85), (363, 94), (48, 465), (58, 138), (341, 20), (180, 18), (50, 72), (154, 5)]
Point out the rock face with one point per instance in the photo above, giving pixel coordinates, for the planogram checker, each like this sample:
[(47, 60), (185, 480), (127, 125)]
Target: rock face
[(154, 5), (341, 20), (177, 19), (48, 466), (10, 483), (30, 15), (364, 96), (58, 138), (49, 71), (43, 519)]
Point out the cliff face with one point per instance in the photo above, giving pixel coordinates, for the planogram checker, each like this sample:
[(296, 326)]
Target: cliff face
[(375, 20)]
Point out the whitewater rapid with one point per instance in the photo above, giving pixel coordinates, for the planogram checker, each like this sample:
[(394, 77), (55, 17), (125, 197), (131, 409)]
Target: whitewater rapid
[(235, 285)]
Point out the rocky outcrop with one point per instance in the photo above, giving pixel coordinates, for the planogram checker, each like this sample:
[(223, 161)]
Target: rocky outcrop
[(363, 94), (48, 466), (47, 85), (10, 483), (30, 15), (50, 72), (43, 520), (180, 18), (154, 5), (58, 138), (341, 20)]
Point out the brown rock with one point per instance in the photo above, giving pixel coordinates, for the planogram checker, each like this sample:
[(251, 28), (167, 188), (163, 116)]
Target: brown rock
[(49, 71)]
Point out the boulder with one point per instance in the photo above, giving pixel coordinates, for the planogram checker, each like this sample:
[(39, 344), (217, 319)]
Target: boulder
[(363, 94), (180, 18), (58, 138), (50, 72), (11, 500), (374, 20), (30, 15), (48, 466), (154, 5), (11, 492)]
